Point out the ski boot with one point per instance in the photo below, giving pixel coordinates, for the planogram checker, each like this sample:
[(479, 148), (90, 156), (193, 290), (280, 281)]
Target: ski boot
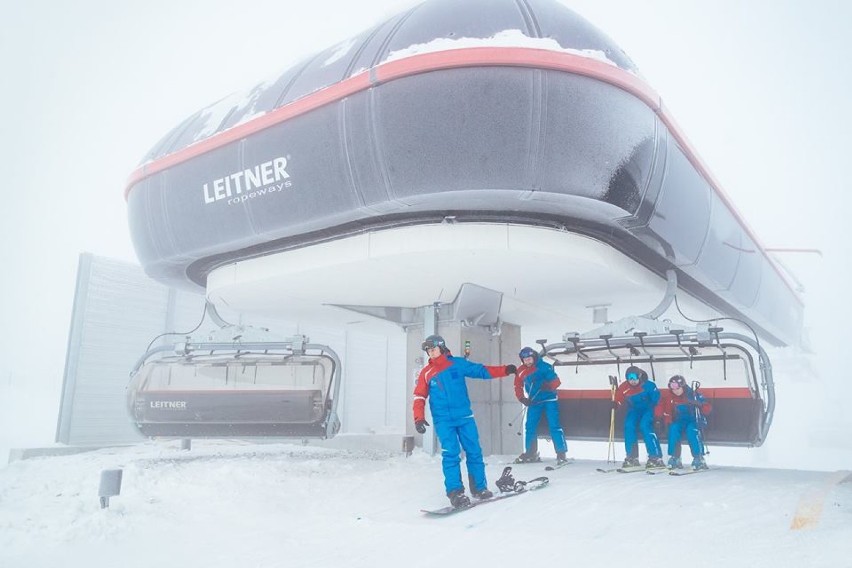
[(561, 458), (674, 463), (482, 495), (699, 463), (630, 462), (528, 458), (654, 463), (458, 499)]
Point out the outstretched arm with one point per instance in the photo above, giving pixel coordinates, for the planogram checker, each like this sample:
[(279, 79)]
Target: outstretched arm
[(478, 371)]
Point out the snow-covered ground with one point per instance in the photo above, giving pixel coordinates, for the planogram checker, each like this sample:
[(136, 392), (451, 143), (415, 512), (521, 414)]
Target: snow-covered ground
[(234, 504)]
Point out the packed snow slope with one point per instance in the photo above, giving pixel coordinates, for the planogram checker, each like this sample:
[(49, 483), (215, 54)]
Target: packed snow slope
[(234, 504)]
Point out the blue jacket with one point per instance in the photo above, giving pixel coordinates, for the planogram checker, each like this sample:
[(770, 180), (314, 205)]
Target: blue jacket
[(682, 408), (442, 381), (643, 396), (538, 383)]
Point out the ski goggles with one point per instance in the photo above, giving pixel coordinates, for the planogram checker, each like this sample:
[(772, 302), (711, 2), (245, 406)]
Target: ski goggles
[(631, 377)]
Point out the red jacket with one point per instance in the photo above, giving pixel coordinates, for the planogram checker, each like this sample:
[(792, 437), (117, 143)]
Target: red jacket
[(681, 407), (442, 381), (538, 382), (642, 396)]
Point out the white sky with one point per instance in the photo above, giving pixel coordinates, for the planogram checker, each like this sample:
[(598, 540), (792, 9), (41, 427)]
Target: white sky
[(761, 88)]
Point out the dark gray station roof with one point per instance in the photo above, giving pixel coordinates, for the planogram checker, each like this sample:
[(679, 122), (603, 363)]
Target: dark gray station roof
[(445, 19), (504, 111)]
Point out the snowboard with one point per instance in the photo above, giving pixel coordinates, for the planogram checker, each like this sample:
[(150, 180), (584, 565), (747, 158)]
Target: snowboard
[(531, 485)]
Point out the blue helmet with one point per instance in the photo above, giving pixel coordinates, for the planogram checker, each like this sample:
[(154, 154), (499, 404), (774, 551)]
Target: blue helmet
[(434, 341), (528, 352), (633, 373)]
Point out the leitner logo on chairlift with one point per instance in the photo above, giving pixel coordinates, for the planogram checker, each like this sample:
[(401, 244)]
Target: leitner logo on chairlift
[(238, 187), (170, 404)]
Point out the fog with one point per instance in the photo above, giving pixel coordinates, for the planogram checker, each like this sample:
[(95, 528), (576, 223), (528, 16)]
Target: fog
[(759, 88)]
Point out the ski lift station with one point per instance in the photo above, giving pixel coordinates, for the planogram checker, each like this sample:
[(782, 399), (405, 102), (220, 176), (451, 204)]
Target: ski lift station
[(495, 171)]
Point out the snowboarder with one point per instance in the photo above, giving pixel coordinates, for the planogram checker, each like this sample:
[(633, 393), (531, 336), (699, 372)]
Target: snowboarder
[(535, 387), (640, 396), (442, 381), (684, 410)]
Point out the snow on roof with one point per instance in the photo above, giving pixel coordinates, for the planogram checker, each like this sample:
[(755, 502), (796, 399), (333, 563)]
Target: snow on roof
[(505, 38)]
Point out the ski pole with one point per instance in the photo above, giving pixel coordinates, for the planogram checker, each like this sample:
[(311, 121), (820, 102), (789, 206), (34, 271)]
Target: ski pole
[(611, 446), (512, 421), (523, 411), (698, 415)]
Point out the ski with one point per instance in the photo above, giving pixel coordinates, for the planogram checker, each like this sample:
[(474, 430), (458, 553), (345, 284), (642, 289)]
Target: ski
[(519, 462), (558, 465), (686, 471), (631, 469), (649, 470), (508, 486)]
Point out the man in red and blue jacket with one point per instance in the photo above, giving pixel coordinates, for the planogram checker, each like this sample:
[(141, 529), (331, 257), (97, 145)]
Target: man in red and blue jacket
[(684, 410), (640, 396), (535, 387), (442, 381)]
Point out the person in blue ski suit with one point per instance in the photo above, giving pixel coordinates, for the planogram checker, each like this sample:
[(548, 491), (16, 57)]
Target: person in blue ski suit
[(442, 381), (684, 410), (640, 396), (535, 387)]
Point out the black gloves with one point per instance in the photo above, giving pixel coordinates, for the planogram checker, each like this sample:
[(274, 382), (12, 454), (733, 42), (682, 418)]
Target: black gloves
[(614, 405), (525, 401), (511, 369), (420, 426)]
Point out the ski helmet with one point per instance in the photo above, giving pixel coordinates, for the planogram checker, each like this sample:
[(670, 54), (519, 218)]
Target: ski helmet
[(633, 373), (677, 381), (528, 352), (434, 341)]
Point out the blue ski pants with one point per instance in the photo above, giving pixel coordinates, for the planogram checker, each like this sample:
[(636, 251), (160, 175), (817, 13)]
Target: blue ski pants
[(643, 419), (693, 436), (455, 435), (551, 409)]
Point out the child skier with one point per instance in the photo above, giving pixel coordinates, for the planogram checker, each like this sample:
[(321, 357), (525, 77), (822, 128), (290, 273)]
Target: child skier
[(683, 410)]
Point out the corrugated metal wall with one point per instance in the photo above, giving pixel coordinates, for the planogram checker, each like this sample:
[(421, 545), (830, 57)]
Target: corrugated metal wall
[(117, 311)]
